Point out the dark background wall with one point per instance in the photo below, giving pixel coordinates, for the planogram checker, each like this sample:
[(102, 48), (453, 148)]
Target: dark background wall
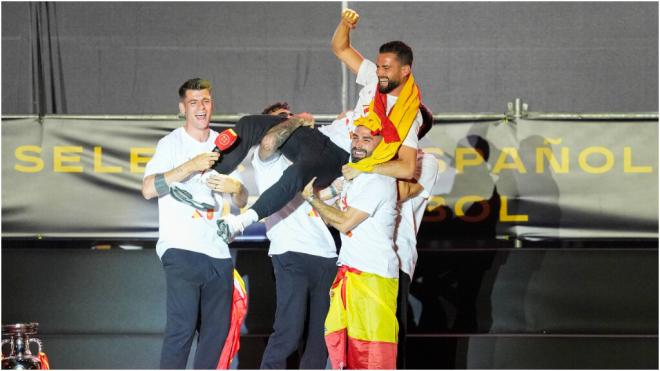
[(129, 58)]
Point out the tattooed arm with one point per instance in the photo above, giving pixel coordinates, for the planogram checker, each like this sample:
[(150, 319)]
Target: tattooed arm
[(278, 134), (344, 221)]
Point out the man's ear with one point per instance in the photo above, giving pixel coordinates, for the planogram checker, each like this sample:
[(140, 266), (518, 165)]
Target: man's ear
[(406, 70), (182, 109)]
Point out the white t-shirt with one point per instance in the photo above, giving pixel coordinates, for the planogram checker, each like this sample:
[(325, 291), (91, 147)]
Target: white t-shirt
[(179, 225), (369, 247), (339, 131), (297, 226), (411, 212)]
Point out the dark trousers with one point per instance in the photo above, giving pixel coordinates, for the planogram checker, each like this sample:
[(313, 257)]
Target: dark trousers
[(302, 283), (312, 155), (402, 317), (199, 297), (323, 163)]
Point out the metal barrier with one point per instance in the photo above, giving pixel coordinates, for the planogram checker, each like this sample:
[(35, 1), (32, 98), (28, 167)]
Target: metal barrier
[(515, 110)]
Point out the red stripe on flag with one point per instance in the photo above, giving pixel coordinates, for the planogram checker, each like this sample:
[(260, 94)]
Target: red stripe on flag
[(336, 343), (371, 355)]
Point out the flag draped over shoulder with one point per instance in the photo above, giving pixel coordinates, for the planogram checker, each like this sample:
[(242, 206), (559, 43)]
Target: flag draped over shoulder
[(361, 329), (394, 128), (238, 312)]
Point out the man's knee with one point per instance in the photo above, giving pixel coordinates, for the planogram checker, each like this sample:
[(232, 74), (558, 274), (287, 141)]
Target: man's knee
[(301, 170), (179, 330)]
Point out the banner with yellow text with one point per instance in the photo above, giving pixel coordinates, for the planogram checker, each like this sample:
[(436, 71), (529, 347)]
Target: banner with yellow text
[(81, 178)]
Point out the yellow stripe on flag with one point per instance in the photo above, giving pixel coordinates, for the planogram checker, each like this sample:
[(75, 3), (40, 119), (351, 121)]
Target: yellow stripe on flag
[(370, 308)]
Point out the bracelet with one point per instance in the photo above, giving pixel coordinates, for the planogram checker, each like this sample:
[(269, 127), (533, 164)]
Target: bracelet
[(161, 185)]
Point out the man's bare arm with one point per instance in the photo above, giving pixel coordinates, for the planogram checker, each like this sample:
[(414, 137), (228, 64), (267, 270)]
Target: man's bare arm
[(278, 134), (225, 184), (402, 167), (200, 162), (408, 189), (240, 198), (332, 191), (341, 41), (343, 221)]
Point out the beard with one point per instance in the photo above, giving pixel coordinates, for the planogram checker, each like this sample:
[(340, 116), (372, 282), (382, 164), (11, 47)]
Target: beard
[(391, 85), (357, 154)]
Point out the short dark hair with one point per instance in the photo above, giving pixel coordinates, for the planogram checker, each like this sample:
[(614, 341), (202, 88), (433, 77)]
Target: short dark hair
[(194, 84), (427, 121), (276, 106), (402, 51)]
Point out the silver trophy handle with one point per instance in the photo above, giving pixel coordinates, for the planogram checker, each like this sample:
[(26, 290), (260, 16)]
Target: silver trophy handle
[(35, 340), (5, 341)]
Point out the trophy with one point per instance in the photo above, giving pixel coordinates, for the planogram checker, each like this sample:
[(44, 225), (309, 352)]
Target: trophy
[(20, 357)]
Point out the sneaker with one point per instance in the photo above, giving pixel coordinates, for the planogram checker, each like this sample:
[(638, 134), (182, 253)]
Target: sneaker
[(193, 193), (228, 227)]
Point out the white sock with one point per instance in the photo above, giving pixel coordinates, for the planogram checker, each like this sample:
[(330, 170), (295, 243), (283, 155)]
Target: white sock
[(248, 217)]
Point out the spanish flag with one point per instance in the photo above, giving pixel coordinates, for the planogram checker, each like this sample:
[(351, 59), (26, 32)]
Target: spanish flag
[(238, 312), (393, 127), (361, 329)]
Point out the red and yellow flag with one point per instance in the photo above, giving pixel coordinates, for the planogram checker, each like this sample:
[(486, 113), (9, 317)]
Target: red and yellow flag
[(393, 127), (238, 312), (361, 329)]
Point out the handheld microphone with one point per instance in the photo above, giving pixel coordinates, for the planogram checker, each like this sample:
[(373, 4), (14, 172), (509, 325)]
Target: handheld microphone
[(225, 140)]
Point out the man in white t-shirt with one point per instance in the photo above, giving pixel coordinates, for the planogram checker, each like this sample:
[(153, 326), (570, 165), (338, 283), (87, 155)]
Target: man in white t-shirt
[(390, 73), (361, 326), (304, 260), (198, 267)]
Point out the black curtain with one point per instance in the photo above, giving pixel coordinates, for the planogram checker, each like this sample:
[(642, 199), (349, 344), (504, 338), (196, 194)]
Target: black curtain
[(48, 91)]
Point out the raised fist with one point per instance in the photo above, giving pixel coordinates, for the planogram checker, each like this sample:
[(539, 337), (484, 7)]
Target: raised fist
[(350, 18)]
